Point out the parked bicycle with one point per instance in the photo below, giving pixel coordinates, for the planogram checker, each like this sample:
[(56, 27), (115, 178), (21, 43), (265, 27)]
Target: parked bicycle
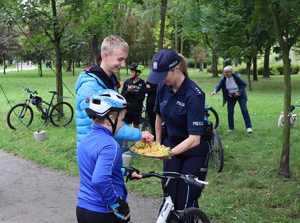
[(292, 116), (216, 151), (212, 115), (59, 114), (167, 212)]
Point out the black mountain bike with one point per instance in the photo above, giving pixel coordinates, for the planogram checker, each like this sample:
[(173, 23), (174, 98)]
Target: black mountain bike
[(216, 151), (59, 114), (167, 212)]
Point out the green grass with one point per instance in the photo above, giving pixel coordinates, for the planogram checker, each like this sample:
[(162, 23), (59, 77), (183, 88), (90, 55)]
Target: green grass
[(249, 189)]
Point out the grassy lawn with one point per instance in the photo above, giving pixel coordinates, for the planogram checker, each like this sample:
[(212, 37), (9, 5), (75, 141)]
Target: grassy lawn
[(249, 189)]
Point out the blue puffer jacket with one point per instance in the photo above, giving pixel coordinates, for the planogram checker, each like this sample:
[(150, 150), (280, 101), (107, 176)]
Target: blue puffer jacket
[(87, 84)]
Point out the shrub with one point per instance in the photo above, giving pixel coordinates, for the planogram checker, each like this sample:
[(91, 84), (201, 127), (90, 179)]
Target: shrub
[(209, 70)]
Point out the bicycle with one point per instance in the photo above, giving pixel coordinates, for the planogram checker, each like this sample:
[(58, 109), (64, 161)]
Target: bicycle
[(216, 149), (59, 114), (188, 215), (292, 116), (211, 112)]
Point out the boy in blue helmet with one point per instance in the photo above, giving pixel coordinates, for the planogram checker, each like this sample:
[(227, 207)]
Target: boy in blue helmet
[(102, 192)]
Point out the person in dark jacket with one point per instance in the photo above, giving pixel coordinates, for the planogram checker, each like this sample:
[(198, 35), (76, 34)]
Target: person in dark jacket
[(134, 91), (150, 102), (234, 90)]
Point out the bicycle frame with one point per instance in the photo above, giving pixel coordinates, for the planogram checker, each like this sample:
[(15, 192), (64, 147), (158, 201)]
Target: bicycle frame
[(168, 205), (49, 105)]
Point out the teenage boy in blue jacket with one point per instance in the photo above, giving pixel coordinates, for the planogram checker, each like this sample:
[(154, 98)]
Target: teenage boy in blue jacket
[(114, 51), (102, 193), (234, 90)]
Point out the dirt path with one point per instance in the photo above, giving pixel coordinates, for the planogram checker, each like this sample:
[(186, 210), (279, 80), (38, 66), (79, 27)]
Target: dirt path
[(33, 194)]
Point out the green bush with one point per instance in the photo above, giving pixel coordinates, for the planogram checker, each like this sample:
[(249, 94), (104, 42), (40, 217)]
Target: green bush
[(260, 71), (275, 69), (294, 69), (209, 70), (191, 62), (241, 70)]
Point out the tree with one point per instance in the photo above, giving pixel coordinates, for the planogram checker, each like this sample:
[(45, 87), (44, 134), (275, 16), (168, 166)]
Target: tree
[(163, 12), (286, 17), (8, 44)]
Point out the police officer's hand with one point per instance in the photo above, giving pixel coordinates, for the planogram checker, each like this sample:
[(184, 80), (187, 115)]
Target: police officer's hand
[(147, 136), (121, 209)]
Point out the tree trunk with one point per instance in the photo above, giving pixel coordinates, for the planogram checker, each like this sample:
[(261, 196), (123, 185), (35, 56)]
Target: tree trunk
[(73, 68), (17, 66), (200, 66), (266, 72), (214, 64), (176, 35), (4, 64), (284, 168), (40, 71), (58, 54), (69, 65), (58, 68), (249, 73), (95, 50), (254, 70), (181, 44), (163, 11)]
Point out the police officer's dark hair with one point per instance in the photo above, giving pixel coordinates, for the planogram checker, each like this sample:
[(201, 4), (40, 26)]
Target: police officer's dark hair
[(183, 65)]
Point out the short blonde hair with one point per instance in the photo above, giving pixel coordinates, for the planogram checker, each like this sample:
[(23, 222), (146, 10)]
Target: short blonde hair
[(113, 42)]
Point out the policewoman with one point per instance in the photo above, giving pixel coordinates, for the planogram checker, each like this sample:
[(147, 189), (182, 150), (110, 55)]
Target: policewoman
[(180, 104)]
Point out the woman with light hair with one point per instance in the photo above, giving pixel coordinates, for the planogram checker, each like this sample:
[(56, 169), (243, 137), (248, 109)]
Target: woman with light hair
[(234, 90)]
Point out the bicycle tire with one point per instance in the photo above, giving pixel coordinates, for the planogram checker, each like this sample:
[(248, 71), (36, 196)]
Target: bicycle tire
[(57, 117), (14, 113), (217, 152), (193, 215), (216, 117)]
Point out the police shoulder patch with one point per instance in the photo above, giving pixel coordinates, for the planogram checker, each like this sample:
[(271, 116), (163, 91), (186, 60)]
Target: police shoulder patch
[(197, 90)]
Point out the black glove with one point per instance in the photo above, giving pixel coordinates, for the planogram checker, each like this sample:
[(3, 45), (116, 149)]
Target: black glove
[(121, 209), (129, 171)]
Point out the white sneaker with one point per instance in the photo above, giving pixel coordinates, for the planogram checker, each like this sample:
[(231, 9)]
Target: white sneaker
[(249, 130)]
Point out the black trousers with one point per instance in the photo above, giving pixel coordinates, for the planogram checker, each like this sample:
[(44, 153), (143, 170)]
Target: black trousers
[(87, 216), (182, 194)]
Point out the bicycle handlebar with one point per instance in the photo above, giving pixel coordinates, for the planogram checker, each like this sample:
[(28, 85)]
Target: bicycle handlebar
[(189, 179), (33, 92)]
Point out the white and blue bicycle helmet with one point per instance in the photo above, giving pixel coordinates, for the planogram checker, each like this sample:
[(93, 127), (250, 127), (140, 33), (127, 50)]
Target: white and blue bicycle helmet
[(103, 102)]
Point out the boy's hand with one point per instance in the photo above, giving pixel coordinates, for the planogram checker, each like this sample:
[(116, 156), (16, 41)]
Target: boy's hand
[(147, 136), (132, 174)]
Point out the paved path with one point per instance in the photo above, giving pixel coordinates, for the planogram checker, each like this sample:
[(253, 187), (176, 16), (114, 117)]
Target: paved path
[(33, 194)]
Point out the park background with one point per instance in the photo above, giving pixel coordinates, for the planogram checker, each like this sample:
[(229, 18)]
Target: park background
[(261, 38)]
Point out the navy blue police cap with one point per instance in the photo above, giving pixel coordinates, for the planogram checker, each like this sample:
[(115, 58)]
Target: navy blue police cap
[(162, 62)]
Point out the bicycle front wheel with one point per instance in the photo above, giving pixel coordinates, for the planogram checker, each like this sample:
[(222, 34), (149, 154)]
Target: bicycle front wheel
[(61, 114), (217, 152), (193, 215), (19, 115)]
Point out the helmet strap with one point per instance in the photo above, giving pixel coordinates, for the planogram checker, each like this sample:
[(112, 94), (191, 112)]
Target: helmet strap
[(113, 124)]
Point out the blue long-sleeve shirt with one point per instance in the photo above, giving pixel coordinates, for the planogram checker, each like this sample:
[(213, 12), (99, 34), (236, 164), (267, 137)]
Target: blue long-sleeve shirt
[(101, 179)]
